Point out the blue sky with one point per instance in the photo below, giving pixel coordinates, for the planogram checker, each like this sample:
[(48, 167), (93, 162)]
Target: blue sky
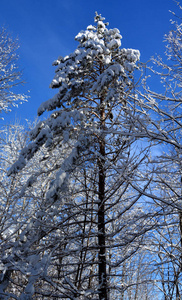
[(46, 30)]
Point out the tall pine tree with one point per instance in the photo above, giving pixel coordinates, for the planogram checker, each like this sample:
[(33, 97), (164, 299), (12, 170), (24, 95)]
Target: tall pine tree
[(90, 222)]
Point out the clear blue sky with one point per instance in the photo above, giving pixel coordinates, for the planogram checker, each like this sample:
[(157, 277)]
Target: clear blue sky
[(46, 30)]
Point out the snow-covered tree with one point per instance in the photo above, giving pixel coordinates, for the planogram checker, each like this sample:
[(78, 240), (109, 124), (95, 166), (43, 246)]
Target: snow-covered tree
[(13, 210), (17, 212), (91, 220), (10, 75), (165, 163)]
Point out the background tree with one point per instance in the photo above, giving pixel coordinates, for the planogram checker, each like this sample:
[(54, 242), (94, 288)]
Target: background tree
[(165, 162), (19, 207), (10, 75), (12, 139)]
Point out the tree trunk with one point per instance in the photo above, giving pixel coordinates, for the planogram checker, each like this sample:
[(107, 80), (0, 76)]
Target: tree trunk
[(101, 217), (180, 231)]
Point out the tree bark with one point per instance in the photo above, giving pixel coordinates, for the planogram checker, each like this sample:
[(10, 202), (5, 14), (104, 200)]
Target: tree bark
[(101, 216)]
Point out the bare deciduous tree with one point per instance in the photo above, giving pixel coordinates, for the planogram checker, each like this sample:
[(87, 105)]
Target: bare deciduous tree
[(10, 75)]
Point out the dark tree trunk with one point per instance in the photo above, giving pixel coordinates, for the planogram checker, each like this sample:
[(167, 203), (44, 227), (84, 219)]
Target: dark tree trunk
[(180, 231), (101, 217)]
